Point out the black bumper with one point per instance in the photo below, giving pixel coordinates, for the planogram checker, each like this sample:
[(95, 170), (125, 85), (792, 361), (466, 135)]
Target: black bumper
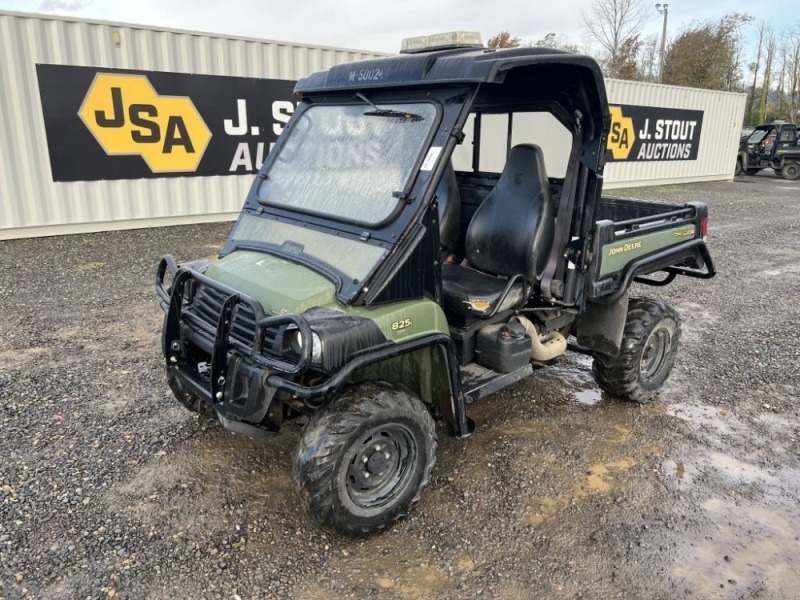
[(234, 382), (244, 377)]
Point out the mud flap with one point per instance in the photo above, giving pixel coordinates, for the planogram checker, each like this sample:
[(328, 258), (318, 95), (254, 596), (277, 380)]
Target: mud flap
[(601, 327)]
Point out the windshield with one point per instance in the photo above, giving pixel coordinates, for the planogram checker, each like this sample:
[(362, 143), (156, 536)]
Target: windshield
[(352, 258), (757, 136), (346, 162)]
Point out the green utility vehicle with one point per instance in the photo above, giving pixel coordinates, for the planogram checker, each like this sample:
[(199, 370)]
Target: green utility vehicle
[(373, 289), (773, 145)]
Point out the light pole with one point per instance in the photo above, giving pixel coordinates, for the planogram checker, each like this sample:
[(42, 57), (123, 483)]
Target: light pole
[(664, 11)]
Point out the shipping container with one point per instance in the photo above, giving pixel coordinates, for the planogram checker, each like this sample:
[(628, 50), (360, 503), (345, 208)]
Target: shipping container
[(37, 48), (721, 116), (205, 109)]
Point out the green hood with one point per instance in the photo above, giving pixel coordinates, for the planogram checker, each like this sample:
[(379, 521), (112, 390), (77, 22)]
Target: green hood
[(281, 286)]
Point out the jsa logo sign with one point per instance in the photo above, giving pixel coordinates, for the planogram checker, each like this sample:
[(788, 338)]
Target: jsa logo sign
[(149, 124), (127, 117), (648, 133), (622, 135)]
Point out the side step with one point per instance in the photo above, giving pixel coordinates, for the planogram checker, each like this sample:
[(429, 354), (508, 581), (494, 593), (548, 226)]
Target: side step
[(478, 382)]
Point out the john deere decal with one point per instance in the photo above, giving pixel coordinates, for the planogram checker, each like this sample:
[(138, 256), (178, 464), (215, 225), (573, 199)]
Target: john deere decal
[(114, 124), (648, 133)]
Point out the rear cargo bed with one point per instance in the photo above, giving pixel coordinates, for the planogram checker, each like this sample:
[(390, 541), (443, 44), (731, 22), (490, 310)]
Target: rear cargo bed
[(614, 208)]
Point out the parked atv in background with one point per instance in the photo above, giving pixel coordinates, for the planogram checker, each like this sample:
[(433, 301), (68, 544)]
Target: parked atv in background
[(373, 289), (772, 145)]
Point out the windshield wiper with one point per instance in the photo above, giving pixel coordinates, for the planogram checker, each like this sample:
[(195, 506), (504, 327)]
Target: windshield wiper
[(387, 112)]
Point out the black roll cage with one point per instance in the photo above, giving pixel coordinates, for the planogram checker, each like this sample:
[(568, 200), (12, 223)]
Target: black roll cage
[(460, 82)]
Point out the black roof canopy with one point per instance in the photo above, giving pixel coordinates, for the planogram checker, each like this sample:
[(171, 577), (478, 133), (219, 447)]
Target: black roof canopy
[(533, 76)]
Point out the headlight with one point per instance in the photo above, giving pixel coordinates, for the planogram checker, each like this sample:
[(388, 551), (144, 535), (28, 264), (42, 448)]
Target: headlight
[(316, 346), (335, 338)]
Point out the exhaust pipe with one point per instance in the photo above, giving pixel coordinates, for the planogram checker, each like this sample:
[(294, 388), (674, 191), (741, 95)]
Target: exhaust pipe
[(553, 345)]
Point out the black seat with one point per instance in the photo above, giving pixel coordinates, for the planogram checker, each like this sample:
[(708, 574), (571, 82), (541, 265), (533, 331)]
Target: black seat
[(449, 210), (509, 235), (470, 292)]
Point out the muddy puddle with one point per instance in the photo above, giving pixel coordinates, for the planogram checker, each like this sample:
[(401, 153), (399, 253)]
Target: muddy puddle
[(751, 547), (575, 373), (748, 536), (413, 574), (560, 492)]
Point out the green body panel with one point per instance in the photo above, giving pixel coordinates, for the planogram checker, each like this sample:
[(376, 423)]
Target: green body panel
[(617, 255), (423, 372), (281, 287), (403, 321)]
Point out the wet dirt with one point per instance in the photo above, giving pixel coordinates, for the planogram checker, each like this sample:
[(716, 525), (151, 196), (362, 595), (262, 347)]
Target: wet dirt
[(561, 492)]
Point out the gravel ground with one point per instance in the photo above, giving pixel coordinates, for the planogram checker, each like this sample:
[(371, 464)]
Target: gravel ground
[(109, 489)]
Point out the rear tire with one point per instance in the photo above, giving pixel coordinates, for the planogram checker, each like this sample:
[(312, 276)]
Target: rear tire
[(752, 171), (647, 354), (364, 459), (738, 170), (790, 171)]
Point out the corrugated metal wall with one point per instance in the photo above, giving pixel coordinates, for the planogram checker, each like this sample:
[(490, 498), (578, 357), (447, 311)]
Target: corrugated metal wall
[(32, 204), (723, 113)]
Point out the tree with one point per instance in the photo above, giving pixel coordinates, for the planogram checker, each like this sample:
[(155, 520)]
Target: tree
[(706, 55), (551, 40), (626, 63), (769, 57), (782, 102), (648, 59), (613, 22), (792, 58), (503, 40), (732, 25), (775, 89), (750, 111), (783, 52), (694, 60)]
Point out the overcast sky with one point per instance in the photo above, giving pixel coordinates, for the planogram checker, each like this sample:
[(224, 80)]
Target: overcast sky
[(379, 25)]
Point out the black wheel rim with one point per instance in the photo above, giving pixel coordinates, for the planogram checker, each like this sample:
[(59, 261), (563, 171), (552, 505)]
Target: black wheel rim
[(655, 353), (381, 466)]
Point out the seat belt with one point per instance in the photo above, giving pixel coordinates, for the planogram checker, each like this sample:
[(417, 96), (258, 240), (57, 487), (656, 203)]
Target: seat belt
[(564, 215)]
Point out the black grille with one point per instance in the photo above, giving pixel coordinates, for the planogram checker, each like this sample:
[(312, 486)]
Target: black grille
[(273, 342), (207, 305)]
